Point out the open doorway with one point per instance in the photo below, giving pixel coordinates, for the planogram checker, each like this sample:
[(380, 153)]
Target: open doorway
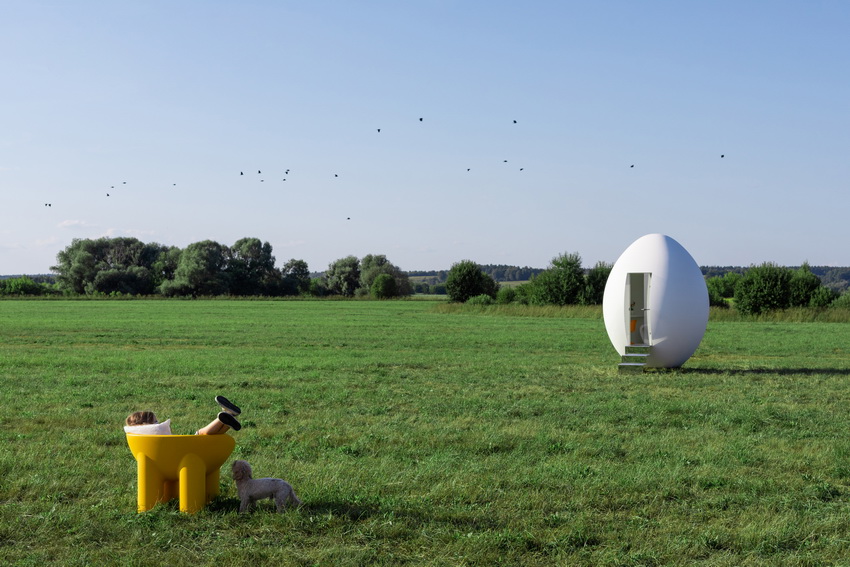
[(637, 315)]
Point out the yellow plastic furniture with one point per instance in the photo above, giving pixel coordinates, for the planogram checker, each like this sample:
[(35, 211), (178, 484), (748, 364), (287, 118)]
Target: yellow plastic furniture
[(179, 465)]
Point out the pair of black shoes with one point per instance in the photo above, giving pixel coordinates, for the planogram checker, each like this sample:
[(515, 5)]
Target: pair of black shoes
[(228, 416)]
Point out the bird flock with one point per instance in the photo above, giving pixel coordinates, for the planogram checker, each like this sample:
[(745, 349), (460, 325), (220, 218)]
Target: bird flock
[(286, 173)]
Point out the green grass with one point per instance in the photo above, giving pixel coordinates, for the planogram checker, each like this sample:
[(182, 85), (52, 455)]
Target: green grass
[(425, 434)]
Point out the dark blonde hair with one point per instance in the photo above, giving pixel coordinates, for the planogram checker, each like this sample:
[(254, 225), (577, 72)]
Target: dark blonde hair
[(141, 418)]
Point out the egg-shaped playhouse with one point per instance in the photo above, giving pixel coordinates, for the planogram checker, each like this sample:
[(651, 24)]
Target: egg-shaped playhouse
[(655, 304)]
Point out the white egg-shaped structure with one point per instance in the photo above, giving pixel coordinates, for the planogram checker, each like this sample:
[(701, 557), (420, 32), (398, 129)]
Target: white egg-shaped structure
[(656, 297)]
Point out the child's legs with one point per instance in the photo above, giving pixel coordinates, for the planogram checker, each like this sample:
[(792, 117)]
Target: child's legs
[(216, 427)]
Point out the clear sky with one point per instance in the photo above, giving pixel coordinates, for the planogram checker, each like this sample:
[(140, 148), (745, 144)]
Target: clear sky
[(508, 130)]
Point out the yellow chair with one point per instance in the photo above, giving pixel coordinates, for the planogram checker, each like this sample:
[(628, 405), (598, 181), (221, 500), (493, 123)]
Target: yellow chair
[(179, 465)]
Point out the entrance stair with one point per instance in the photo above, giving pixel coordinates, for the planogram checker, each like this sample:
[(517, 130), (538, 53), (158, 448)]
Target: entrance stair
[(634, 361)]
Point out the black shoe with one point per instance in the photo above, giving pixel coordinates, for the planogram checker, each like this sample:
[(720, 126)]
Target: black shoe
[(230, 421), (227, 405)]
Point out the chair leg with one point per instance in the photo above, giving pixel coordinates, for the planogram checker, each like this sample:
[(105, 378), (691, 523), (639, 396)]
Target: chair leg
[(192, 484), (212, 484), (149, 483)]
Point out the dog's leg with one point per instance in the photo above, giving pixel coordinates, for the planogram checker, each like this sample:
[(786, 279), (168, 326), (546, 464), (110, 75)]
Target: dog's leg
[(244, 505), (294, 498)]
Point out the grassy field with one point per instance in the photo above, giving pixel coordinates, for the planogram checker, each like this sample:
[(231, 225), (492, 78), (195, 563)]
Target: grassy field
[(420, 434)]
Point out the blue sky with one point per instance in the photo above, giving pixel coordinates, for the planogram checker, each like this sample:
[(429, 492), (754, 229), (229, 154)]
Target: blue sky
[(161, 104)]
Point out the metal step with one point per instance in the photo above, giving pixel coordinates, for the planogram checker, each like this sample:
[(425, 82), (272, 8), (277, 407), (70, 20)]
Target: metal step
[(634, 361)]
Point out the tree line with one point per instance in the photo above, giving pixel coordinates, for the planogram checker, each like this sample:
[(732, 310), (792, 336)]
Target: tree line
[(770, 287), (499, 272), (128, 266), (564, 282)]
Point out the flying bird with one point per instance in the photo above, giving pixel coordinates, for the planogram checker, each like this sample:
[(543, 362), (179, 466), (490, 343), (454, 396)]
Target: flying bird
[(258, 171), (420, 120), (241, 173), (514, 121), (722, 155), (379, 129), (632, 165)]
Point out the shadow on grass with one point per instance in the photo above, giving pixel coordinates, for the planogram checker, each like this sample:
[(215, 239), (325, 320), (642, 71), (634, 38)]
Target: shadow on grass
[(354, 512), (756, 371), (360, 512)]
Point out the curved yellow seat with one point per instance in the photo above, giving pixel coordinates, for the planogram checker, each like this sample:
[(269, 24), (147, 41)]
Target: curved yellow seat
[(179, 465)]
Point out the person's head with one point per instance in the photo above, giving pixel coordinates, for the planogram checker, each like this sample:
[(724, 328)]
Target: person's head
[(141, 418)]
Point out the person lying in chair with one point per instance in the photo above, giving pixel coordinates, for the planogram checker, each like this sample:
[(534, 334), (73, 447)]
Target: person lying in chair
[(146, 423)]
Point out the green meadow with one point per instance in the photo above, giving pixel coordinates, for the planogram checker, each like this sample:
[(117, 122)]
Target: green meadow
[(419, 433)]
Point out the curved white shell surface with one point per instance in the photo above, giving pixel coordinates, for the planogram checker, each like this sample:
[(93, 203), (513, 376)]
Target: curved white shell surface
[(675, 314)]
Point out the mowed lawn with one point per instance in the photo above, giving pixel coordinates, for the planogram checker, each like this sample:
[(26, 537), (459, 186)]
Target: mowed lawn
[(418, 435)]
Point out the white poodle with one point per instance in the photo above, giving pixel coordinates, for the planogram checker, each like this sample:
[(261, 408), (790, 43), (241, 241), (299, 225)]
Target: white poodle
[(251, 489)]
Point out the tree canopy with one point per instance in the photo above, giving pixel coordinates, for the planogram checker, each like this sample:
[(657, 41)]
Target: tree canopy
[(207, 268)]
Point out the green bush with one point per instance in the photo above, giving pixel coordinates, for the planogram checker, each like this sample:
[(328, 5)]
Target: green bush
[(802, 286), (822, 297), (560, 284), (23, 285), (482, 299), (384, 286), (842, 301), (763, 288), (594, 284), (465, 279), (721, 288), (506, 295)]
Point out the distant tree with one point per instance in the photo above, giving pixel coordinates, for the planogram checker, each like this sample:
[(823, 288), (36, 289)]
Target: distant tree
[(296, 277), (842, 301), (594, 284), (561, 283), (763, 288), (79, 264), (251, 269), (384, 287), (715, 292), (421, 287), (23, 285), (163, 268), (465, 279), (318, 287), (803, 285), (134, 280), (343, 276), (483, 299), (200, 271), (722, 287), (373, 265), (506, 295), (822, 297)]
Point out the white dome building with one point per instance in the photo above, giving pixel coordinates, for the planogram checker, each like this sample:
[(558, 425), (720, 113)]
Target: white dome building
[(655, 304)]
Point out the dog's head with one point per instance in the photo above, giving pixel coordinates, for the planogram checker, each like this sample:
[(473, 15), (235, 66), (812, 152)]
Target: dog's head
[(241, 470)]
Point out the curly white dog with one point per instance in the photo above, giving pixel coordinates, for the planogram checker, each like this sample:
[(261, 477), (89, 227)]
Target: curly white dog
[(251, 489)]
